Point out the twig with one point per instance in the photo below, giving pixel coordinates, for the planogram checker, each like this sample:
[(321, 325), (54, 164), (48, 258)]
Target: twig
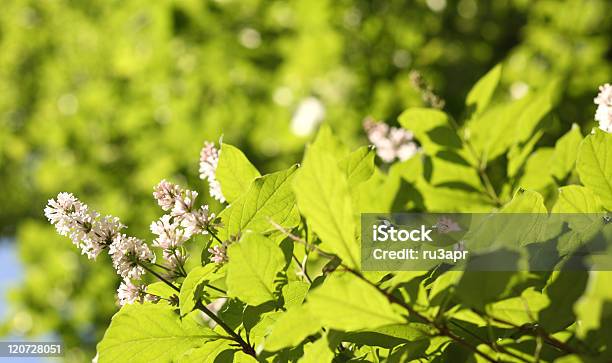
[(160, 277), (246, 347), (537, 331), (302, 268), (213, 234)]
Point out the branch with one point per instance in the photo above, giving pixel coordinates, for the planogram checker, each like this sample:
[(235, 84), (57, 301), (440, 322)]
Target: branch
[(248, 349)]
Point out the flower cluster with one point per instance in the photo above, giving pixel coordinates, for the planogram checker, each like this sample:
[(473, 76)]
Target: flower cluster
[(129, 293), (427, 94), (131, 256), (447, 225), (92, 234), (173, 198), (128, 255), (604, 107), (390, 142), (209, 159), (184, 221), (218, 253), (85, 228)]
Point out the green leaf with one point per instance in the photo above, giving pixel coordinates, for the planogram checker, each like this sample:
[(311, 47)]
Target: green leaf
[(358, 166), (323, 197), (253, 264), (563, 291), (577, 199), (536, 174), (291, 328), (591, 306), (480, 95), (234, 172), (215, 352), (506, 230), (317, 352), (581, 210), (519, 153), (345, 302), (594, 164), (521, 309), (525, 201), (432, 128), (390, 335), (294, 293), (566, 150), (269, 198), (447, 199), (190, 289), (160, 289), (476, 289), (147, 333), (501, 126), (259, 332)]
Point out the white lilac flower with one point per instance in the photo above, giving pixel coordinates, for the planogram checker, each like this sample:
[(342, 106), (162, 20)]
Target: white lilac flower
[(184, 204), (390, 142), (58, 211), (198, 221), (447, 225), (168, 231), (172, 197), (165, 193), (209, 159), (218, 254), (129, 293), (127, 254), (84, 226), (604, 107), (175, 259)]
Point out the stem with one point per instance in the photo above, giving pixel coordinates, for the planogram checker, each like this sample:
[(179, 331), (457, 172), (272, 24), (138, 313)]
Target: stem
[(538, 349), (160, 277), (489, 343), (162, 266), (537, 331), (309, 246), (236, 337), (302, 268), (217, 289), (484, 178), (213, 234), (488, 186), (179, 264)]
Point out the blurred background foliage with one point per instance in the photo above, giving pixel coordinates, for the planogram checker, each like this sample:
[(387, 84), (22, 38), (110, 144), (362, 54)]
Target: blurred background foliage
[(105, 98)]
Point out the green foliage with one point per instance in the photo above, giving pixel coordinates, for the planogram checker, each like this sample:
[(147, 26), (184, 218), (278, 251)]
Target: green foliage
[(480, 95), (144, 333), (594, 165), (292, 328), (192, 286), (348, 303), (235, 172), (254, 264), (268, 199), (105, 99), (323, 197)]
